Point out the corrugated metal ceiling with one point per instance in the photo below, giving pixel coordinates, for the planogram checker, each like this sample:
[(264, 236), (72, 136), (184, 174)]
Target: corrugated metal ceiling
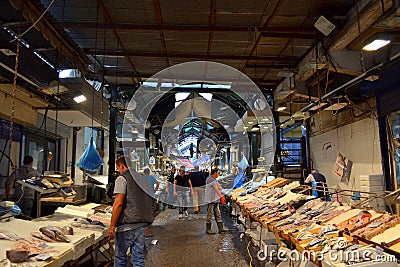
[(182, 31)]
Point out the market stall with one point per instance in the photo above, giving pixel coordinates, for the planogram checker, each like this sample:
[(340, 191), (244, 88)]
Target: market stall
[(317, 228), (86, 237)]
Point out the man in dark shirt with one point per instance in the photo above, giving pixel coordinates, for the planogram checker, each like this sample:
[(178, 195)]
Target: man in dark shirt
[(169, 189), (23, 196), (198, 180), (318, 182), (182, 189)]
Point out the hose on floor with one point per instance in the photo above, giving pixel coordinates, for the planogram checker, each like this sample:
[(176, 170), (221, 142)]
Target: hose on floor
[(248, 251)]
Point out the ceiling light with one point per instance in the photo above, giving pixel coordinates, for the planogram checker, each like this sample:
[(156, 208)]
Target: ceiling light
[(250, 122), (80, 98), (281, 106), (376, 44), (255, 128)]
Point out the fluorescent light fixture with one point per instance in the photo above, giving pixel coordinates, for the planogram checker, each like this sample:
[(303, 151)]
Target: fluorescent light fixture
[(250, 122), (376, 44), (79, 99), (281, 108), (255, 128)]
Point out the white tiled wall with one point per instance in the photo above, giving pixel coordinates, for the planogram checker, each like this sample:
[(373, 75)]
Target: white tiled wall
[(358, 141)]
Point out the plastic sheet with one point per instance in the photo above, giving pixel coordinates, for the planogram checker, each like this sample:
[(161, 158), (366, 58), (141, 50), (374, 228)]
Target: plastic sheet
[(243, 164), (239, 180), (90, 159)]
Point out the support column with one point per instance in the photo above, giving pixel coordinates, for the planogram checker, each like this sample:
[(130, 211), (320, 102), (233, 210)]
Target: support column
[(113, 136), (277, 163), (254, 148), (384, 146), (102, 147), (74, 140)]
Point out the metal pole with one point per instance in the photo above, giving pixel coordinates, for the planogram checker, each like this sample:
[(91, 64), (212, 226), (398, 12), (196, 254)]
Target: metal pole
[(384, 146), (113, 136), (74, 137)]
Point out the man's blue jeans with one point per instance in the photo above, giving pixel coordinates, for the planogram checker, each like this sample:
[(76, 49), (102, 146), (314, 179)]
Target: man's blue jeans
[(170, 196), (133, 239), (183, 200)]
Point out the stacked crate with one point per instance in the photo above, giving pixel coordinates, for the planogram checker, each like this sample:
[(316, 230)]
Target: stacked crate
[(374, 184)]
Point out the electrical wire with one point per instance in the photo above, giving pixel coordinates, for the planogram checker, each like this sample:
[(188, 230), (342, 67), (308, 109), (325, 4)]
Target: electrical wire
[(34, 24), (248, 251)]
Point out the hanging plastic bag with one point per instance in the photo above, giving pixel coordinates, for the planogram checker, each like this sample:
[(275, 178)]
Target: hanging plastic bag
[(90, 159), (243, 164), (239, 179)]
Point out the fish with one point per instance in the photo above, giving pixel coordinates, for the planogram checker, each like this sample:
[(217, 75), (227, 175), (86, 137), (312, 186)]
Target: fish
[(8, 235), (67, 230), (62, 238), (41, 236), (47, 232)]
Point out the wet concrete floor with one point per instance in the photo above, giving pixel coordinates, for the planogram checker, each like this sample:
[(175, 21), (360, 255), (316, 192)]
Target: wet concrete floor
[(185, 243)]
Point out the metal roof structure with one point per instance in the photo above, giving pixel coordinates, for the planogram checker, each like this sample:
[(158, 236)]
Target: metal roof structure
[(126, 42)]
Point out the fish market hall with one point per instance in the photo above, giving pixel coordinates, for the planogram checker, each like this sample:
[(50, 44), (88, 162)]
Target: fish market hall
[(200, 133)]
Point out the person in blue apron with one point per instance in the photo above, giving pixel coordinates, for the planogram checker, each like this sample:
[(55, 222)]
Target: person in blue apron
[(318, 182)]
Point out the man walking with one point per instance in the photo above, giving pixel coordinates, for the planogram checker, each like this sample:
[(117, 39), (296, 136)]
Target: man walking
[(182, 189), (23, 196), (131, 214), (213, 196), (169, 189), (198, 180)]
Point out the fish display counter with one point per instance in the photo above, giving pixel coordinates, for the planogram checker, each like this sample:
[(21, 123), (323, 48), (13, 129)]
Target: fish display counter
[(313, 225), (68, 235)]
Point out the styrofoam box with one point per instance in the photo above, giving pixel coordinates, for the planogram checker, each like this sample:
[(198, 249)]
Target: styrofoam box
[(369, 196), (371, 188), (261, 229), (371, 183), (377, 202), (371, 177), (253, 234)]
